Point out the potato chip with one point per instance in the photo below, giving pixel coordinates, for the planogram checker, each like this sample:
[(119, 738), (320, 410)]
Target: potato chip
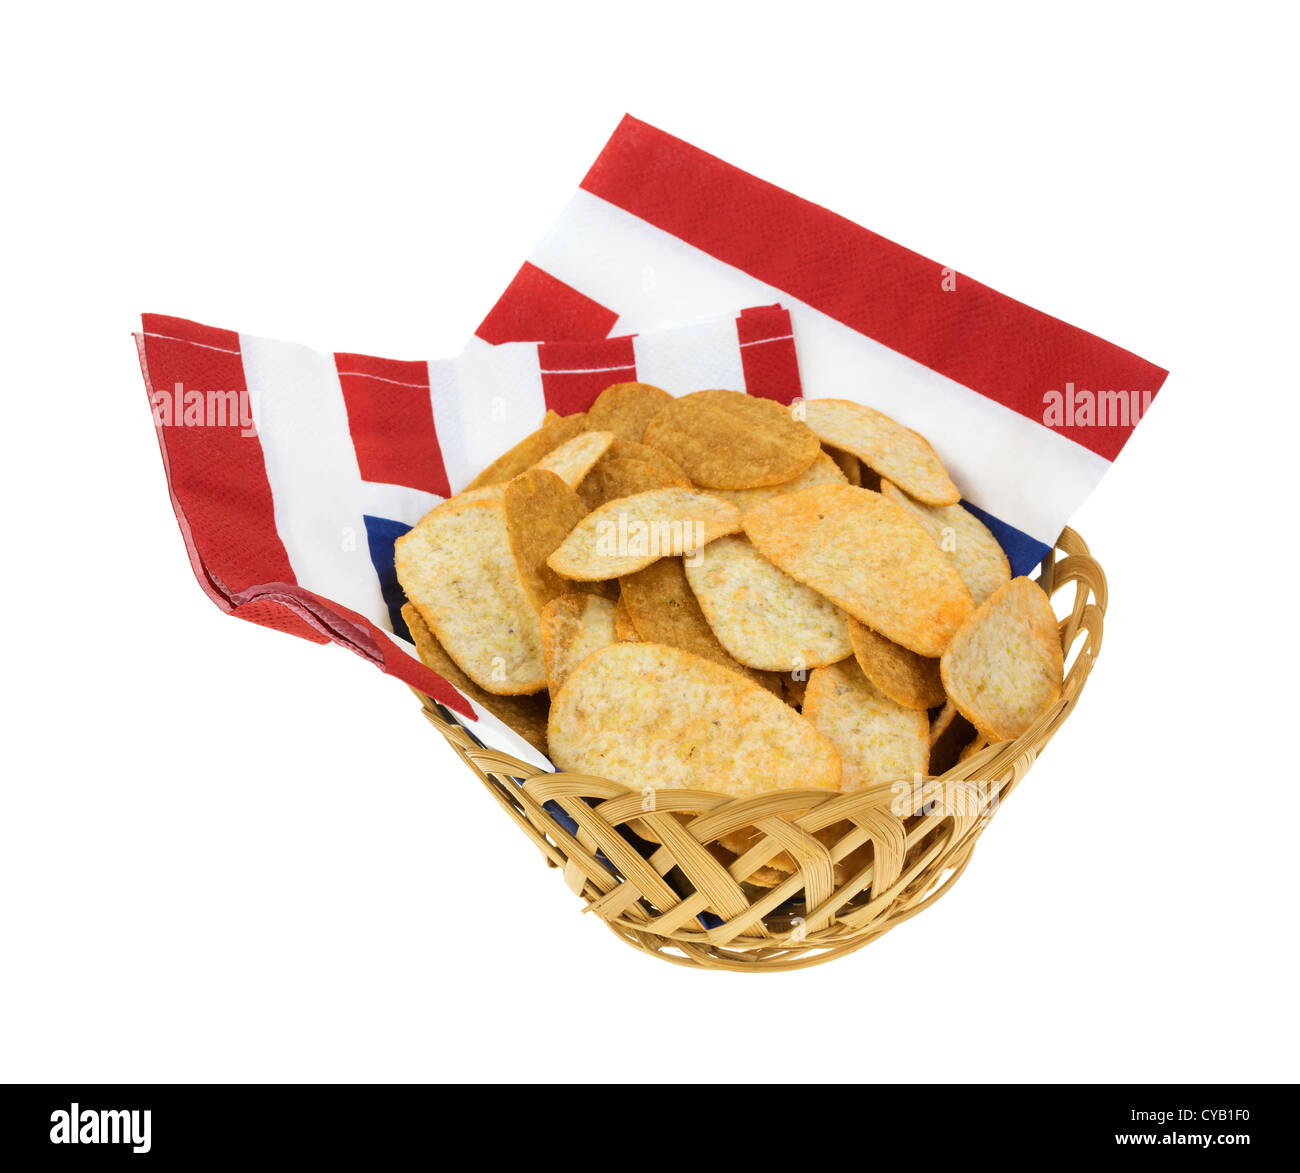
[(541, 510), (895, 452), (906, 678), (973, 550), (456, 567), (631, 532), (648, 716), (950, 733), (867, 555), (730, 440), (572, 460), (664, 610), (526, 715), (574, 626), (626, 408), (878, 741), (612, 479), (1004, 667), (822, 471), (555, 430), (627, 450), (624, 628), (761, 615), (794, 685)]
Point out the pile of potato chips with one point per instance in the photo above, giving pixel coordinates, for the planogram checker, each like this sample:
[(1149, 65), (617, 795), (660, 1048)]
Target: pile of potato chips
[(718, 592)]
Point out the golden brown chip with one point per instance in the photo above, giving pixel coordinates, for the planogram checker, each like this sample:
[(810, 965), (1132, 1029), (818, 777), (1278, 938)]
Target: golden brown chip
[(867, 555), (761, 615), (1004, 667), (895, 452), (730, 440), (573, 459), (950, 733), (611, 479), (574, 626), (526, 715), (555, 430), (878, 741), (648, 716), (910, 680), (627, 450), (624, 628), (794, 685), (972, 549), (456, 567), (822, 471), (626, 408), (541, 510), (664, 610), (631, 532)]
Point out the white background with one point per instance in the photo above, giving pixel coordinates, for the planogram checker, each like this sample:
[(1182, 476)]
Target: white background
[(230, 855)]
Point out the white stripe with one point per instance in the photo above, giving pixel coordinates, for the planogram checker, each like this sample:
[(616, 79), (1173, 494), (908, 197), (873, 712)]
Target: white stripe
[(691, 358), (765, 341), (396, 502), (312, 469), (1029, 476), (484, 402)]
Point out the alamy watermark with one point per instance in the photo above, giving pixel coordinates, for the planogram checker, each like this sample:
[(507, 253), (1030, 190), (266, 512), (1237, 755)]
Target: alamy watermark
[(1077, 407), (189, 408)]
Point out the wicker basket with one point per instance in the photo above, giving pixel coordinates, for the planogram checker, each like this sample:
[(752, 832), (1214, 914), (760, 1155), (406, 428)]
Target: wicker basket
[(673, 898)]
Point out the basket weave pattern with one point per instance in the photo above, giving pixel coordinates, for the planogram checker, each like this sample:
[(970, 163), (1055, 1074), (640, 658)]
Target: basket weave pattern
[(899, 848)]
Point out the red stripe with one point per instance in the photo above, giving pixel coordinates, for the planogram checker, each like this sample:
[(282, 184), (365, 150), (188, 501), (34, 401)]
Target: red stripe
[(536, 307), (390, 416), (767, 353), (217, 474), (981, 338), (574, 373)]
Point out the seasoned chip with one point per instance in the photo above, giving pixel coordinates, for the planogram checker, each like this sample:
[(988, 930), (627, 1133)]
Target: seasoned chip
[(612, 479), (631, 532), (627, 450), (973, 550), (624, 628), (910, 680), (574, 626), (950, 733), (730, 440), (867, 555), (664, 610), (898, 453), (541, 510), (648, 716), (526, 715), (761, 615), (626, 408), (822, 471), (1004, 667), (456, 567), (572, 460), (878, 741), (555, 430)]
